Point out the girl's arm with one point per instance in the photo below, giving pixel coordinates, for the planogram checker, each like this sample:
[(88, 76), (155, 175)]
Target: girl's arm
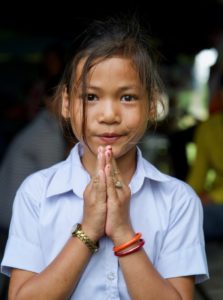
[(60, 278), (57, 281), (142, 279), (144, 282)]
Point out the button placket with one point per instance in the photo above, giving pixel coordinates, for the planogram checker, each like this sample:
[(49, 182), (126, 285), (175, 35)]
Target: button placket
[(111, 276), (111, 272)]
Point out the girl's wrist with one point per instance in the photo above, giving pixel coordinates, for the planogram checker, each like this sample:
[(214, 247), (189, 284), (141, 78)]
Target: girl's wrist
[(93, 234), (83, 237), (122, 237)]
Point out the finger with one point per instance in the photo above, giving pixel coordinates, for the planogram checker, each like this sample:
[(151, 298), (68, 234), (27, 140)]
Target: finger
[(100, 159), (98, 185), (108, 155), (115, 170), (110, 159), (111, 191), (117, 177), (101, 187), (108, 147), (100, 163)]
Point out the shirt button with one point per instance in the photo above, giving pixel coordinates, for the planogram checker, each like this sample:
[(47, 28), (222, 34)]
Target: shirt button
[(111, 276)]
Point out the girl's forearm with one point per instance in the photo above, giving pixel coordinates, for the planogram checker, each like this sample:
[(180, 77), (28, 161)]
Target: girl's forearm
[(60, 278), (143, 281)]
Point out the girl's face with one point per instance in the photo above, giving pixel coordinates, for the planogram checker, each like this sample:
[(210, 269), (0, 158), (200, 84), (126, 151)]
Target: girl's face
[(116, 107)]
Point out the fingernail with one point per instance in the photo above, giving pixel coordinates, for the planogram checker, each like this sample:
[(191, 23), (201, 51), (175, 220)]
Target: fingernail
[(108, 153)]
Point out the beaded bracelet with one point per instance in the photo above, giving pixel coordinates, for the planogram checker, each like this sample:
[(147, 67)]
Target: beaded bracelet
[(127, 244), (141, 242)]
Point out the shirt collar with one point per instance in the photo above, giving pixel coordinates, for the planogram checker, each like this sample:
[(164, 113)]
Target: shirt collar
[(71, 175), (144, 170)]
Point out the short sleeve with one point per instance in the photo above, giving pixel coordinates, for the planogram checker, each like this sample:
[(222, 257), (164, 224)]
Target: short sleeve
[(23, 250), (183, 249)]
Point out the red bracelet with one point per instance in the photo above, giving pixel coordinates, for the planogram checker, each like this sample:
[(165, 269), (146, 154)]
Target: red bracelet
[(135, 239), (130, 251)]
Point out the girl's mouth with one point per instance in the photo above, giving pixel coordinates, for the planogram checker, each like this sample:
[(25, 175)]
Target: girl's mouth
[(109, 138)]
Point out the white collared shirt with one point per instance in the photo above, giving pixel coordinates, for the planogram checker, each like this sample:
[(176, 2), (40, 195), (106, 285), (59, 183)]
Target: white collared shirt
[(165, 210)]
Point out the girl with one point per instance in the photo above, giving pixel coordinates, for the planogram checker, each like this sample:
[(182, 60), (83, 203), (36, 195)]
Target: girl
[(137, 233)]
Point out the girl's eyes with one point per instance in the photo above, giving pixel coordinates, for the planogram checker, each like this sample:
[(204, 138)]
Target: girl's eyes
[(128, 98), (125, 98), (91, 97)]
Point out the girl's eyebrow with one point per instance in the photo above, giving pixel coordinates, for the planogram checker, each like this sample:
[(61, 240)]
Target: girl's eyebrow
[(93, 87), (128, 87), (121, 89)]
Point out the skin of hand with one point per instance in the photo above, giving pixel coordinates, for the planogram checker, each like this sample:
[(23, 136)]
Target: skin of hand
[(118, 222), (106, 208), (95, 203)]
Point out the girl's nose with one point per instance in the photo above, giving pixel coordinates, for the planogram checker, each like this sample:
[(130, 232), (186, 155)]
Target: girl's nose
[(109, 112)]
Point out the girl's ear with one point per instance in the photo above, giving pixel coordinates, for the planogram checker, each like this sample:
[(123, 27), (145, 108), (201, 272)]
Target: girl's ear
[(152, 112), (65, 104)]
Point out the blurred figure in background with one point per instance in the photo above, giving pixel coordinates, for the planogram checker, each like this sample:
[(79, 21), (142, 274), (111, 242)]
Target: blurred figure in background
[(52, 65), (216, 95), (39, 145), (206, 173)]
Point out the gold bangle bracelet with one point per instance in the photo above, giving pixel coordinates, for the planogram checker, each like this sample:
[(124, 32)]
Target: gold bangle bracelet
[(77, 232)]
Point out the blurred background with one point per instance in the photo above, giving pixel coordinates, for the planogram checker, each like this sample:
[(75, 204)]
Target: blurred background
[(33, 46)]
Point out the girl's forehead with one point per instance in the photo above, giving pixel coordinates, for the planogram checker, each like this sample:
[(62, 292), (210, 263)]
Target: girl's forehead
[(115, 64)]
